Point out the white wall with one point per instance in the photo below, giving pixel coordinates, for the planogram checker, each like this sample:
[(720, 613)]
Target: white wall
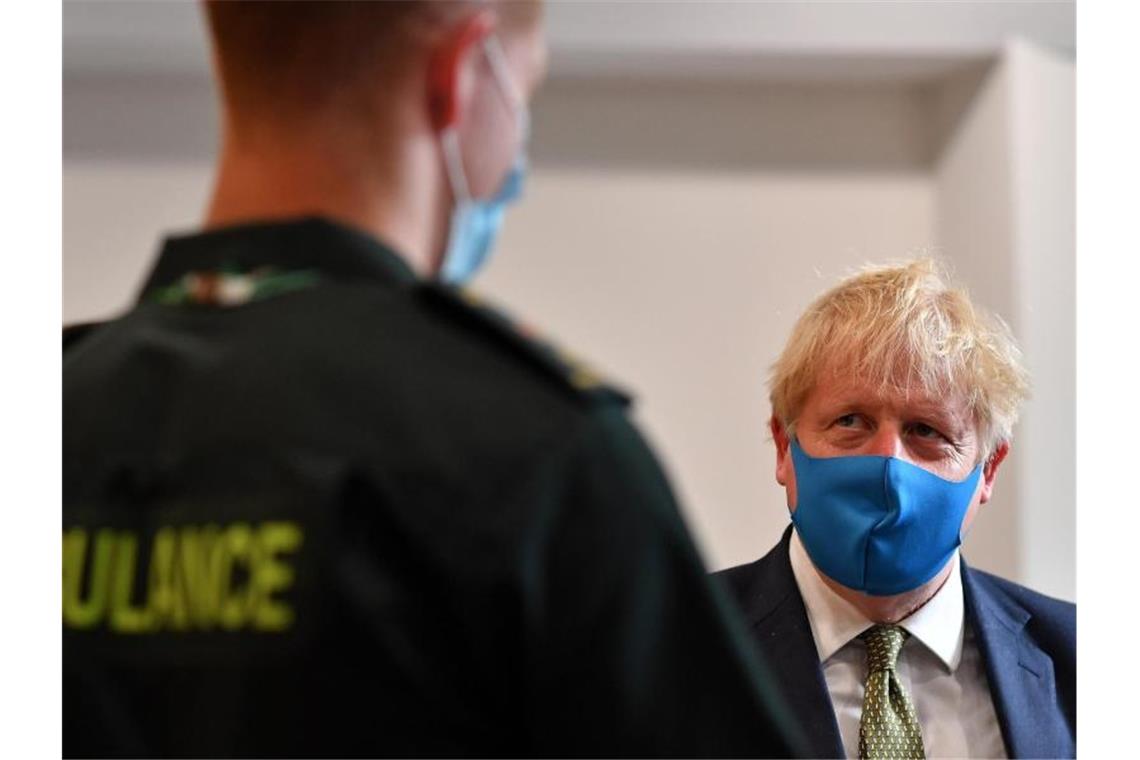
[(1043, 119), (113, 214), (1005, 215)]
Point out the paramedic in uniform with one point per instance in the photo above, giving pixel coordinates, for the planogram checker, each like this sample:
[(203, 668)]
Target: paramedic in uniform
[(318, 500)]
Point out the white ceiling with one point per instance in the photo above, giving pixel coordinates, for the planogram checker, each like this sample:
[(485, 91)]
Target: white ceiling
[(813, 40)]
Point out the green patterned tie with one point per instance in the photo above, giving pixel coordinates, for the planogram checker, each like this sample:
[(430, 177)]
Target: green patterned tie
[(889, 727)]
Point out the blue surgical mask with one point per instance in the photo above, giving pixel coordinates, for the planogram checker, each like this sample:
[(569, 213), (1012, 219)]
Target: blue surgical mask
[(475, 223), (878, 524)]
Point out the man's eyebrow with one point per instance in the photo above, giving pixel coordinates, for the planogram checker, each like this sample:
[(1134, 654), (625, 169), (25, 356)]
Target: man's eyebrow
[(928, 408), (849, 400), (939, 413)]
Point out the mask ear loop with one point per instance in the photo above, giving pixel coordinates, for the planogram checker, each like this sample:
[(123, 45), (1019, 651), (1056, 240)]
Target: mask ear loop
[(497, 59), (449, 137), (444, 110), (453, 161)]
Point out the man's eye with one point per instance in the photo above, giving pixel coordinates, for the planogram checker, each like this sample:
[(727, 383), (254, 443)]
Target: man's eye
[(848, 420), (925, 431)]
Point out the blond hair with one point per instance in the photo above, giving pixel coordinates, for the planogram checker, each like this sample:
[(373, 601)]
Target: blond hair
[(902, 327)]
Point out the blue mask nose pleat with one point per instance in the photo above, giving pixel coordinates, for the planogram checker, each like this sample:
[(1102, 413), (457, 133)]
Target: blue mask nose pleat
[(878, 524)]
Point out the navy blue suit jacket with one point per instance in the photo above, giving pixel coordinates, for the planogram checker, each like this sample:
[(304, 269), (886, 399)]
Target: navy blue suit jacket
[(1027, 640)]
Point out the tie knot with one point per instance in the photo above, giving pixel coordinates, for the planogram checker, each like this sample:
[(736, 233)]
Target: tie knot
[(884, 642)]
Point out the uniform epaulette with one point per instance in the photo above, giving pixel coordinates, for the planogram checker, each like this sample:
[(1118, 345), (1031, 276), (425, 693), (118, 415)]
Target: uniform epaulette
[(72, 334), (522, 341)]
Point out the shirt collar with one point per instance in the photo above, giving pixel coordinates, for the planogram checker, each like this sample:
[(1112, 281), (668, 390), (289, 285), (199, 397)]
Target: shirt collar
[(328, 248), (939, 624)]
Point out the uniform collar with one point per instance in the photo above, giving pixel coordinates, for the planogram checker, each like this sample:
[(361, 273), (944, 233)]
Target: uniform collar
[(939, 624), (329, 248)]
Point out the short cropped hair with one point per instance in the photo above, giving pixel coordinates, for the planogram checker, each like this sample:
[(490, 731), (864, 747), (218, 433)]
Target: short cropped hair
[(295, 57), (898, 327)]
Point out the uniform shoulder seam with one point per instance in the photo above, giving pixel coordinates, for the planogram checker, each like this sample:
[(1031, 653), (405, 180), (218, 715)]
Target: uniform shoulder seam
[(477, 315)]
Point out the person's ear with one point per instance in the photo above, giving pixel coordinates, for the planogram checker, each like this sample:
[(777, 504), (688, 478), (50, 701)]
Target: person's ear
[(451, 69), (989, 470), (783, 455)]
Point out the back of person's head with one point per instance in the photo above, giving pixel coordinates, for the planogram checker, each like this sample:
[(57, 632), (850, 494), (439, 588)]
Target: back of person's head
[(389, 116), (303, 59)]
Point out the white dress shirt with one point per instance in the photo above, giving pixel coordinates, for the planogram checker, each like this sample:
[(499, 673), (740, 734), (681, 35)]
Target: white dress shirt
[(940, 665)]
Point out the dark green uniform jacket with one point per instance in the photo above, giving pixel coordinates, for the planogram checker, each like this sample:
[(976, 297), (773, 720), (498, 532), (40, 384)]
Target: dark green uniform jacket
[(315, 506)]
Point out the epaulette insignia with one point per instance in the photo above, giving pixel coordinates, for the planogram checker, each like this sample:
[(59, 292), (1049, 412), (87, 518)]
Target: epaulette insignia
[(230, 286), (573, 371)]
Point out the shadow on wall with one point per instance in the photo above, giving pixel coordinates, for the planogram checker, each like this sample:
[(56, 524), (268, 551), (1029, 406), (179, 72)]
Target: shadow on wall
[(745, 127), (620, 123)]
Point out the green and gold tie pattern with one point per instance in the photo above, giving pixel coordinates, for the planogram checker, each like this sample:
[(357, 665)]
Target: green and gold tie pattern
[(889, 727)]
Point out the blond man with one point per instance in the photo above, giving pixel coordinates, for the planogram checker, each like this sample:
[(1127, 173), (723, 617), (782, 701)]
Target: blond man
[(893, 406)]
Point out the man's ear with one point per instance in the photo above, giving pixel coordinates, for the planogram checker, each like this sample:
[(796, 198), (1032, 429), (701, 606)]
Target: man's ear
[(450, 79), (783, 456), (989, 470)]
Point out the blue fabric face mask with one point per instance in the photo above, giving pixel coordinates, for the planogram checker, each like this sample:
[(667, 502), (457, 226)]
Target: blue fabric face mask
[(475, 223), (878, 524)]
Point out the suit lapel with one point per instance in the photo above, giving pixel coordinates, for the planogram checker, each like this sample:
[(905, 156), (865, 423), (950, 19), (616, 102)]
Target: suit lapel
[(775, 612), (1020, 675)]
